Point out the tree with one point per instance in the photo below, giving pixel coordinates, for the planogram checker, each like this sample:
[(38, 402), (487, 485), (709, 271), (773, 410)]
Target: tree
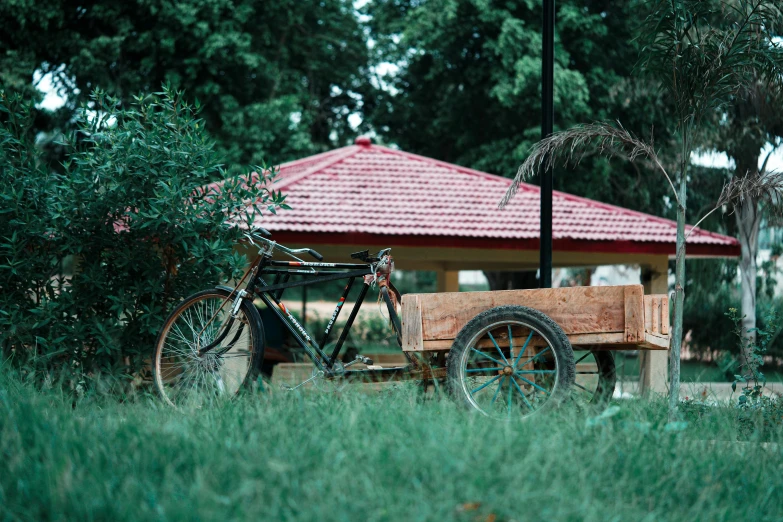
[(468, 86), (468, 89), (700, 64), (752, 120), (276, 80)]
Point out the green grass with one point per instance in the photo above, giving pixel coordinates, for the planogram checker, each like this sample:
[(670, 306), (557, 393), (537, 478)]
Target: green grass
[(388, 456)]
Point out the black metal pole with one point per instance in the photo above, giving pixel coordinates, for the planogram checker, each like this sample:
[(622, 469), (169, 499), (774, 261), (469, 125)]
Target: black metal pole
[(547, 123)]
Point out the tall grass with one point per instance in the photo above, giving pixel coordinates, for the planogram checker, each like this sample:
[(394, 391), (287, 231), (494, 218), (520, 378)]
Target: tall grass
[(389, 456)]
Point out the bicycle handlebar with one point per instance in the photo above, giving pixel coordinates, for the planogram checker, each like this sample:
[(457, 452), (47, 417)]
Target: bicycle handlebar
[(252, 235), (315, 254)]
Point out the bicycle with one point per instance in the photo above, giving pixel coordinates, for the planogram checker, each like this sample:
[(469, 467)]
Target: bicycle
[(212, 344)]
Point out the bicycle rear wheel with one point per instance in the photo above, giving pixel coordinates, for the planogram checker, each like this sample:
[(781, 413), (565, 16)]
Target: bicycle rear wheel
[(182, 377)]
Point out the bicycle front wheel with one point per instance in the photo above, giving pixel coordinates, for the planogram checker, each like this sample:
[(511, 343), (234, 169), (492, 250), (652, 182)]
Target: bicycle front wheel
[(183, 377)]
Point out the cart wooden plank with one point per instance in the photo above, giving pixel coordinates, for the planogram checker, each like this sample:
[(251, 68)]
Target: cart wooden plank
[(411, 324), (609, 317)]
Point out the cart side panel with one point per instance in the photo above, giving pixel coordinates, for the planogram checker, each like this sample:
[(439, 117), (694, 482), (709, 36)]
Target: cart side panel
[(578, 310), (604, 318), (656, 321), (412, 339), (656, 314), (633, 301)]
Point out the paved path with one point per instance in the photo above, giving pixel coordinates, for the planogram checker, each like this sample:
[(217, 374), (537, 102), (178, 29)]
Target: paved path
[(715, 391)]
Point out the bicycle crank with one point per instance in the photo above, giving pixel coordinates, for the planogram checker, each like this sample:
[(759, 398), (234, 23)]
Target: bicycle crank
[(334, 382)]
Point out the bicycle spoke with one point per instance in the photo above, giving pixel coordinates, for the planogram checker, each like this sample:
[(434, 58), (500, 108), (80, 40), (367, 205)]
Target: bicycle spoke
[(582, 358), (509, 400), (184, 377), (539, 354), (580, 386), (510, 344), (236, 355)]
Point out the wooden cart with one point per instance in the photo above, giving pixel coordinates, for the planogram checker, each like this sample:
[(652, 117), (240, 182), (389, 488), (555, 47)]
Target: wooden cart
[(601, 317), (522, 353)]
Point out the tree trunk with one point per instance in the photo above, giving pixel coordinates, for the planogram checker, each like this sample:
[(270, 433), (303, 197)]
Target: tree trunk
[(511, 280), (748, 231), (679, 298)]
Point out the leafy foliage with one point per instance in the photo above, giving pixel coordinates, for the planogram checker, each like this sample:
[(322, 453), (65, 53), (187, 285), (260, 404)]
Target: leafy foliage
[(757, 412), (275, 78), (752, 350), (29, 264), (468, 86), (713, 286), (144, 210), (703, 52)]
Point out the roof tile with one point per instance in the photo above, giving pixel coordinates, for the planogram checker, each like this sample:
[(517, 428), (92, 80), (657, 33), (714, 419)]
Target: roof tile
[(377, 190)]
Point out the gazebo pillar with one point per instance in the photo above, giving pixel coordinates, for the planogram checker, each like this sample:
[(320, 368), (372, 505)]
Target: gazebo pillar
[(448, 280), (653, 364)]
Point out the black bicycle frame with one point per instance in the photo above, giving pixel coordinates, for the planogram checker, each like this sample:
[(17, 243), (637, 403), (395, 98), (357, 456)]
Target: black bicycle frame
[(314, 273)]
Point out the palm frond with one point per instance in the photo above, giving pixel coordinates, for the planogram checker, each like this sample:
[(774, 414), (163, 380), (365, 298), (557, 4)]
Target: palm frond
[(759, 188), (703, 51), (766, 188), (572, 145)]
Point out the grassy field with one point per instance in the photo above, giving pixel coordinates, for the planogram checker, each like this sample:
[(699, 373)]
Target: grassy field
[(389, 456)]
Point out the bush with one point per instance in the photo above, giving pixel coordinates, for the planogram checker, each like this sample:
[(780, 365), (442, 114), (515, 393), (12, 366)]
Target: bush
[(144, 209)]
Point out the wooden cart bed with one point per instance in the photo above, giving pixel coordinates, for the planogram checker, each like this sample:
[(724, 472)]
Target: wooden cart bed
[(602, 317)]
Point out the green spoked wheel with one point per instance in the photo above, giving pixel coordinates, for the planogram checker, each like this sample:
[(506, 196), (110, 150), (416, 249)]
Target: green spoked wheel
[(185, 378), (595, 377), (510, 362)]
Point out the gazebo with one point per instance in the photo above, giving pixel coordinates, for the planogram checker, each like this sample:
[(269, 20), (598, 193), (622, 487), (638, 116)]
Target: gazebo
[(444, 217)]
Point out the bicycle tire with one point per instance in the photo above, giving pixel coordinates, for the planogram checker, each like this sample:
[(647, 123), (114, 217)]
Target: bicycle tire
[(234, 364)]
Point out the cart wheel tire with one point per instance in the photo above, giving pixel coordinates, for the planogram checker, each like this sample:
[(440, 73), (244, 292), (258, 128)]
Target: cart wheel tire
[(532, 377), (607, 377), (595, 386)]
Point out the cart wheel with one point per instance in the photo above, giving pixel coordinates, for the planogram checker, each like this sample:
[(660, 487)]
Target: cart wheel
[(595, 377), (510, 362)]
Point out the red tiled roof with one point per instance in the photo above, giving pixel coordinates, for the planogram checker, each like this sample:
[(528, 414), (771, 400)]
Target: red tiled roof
[(368, 192)]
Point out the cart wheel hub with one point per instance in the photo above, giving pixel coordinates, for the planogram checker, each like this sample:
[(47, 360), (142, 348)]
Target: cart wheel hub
[(508, 370)]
